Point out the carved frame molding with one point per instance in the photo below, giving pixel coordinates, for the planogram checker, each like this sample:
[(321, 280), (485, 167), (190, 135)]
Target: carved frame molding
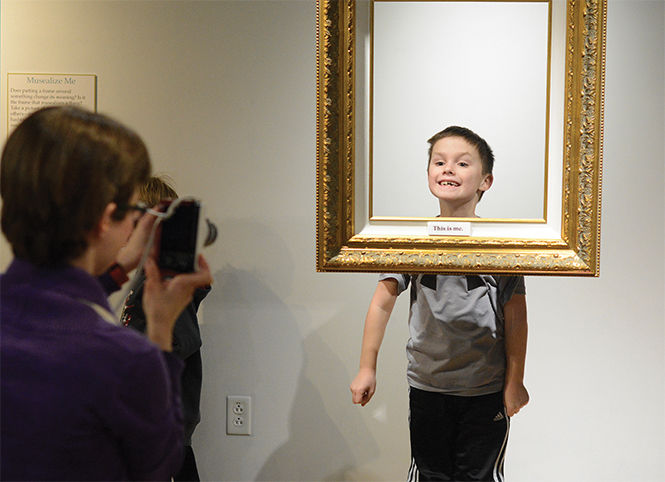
[(339, 248)]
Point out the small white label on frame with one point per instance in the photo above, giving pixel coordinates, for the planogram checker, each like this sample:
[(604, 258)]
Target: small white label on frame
[(443, 228)]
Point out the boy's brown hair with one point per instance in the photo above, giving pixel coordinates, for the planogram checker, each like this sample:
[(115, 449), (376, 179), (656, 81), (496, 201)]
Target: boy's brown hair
[(60, 168), (485, 151), (156, 189)]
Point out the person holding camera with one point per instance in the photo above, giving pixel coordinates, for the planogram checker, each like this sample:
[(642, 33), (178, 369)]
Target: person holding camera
[(82, 398), (186, 334)]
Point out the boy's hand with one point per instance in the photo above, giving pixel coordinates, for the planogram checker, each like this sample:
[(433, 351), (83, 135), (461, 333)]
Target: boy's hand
[(515, 396), (165, 299), (363, 386)]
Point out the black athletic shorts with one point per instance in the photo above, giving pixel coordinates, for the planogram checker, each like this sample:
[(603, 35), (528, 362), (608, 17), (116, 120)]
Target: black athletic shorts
[(457, 438)]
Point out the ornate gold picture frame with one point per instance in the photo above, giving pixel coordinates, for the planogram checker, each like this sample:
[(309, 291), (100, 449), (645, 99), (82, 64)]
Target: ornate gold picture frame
[(340, 246)]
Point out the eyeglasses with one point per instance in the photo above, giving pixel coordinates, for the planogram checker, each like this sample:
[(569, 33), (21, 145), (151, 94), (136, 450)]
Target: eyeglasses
[(122, 210), (140, 207)]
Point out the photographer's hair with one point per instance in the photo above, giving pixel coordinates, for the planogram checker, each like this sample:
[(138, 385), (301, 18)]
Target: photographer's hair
[(486, 155), (156, 189), (60, 168)]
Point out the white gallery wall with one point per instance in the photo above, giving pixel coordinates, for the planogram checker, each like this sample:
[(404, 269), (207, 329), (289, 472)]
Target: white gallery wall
[(223, 92)]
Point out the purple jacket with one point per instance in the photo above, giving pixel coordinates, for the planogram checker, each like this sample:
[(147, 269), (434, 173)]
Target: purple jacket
[(81, 398)]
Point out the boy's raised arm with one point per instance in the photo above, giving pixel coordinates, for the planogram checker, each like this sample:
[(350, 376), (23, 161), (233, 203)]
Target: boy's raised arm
[(378, 314), (515, 395)]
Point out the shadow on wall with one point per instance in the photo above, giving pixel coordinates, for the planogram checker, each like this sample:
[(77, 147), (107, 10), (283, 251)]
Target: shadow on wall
[(327, 439), (253, 345)]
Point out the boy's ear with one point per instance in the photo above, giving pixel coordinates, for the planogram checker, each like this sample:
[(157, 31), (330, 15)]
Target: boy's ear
[(486, 182)]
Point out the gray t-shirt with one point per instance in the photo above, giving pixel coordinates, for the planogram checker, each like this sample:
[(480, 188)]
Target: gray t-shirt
[(456, 343)]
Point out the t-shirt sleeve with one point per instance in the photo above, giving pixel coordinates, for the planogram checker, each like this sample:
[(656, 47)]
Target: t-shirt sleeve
[(401, 278), (520, 287), (509, 286)]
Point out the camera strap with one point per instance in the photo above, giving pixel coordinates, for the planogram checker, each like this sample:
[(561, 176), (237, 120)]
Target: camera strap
[(101, 311)]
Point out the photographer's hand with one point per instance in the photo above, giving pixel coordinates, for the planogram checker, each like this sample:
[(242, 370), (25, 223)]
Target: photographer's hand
[(129, 256), (165, 299)]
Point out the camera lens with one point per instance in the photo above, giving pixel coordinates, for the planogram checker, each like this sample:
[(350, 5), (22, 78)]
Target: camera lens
[(212, 233)]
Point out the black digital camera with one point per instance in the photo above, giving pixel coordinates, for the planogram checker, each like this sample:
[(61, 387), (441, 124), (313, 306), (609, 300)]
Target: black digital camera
[(183, 234)]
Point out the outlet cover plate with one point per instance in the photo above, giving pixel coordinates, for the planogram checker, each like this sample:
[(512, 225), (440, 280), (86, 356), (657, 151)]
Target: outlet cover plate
[(238, 415)]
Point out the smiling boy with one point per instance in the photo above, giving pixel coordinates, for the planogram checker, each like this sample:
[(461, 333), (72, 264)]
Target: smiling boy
[(467, 344), (457, 174)]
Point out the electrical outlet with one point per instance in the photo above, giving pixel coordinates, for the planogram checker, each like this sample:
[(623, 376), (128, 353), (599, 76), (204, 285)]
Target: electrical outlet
[(238, 415)]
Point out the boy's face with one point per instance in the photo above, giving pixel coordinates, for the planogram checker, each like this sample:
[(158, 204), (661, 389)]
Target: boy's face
[(455, 175)]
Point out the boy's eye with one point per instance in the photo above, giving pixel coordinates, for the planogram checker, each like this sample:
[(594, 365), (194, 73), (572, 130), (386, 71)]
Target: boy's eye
[(464, 164)]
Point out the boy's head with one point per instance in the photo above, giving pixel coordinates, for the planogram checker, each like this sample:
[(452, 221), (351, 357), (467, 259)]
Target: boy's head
[(459, 170), (483, 148), (156, 189)]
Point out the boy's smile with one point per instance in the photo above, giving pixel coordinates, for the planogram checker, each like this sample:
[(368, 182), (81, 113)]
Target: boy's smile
[(455, 176)]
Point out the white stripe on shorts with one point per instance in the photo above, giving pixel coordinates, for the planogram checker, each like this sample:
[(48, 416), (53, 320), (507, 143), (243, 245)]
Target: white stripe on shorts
[(497, 472), (414, 475)]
